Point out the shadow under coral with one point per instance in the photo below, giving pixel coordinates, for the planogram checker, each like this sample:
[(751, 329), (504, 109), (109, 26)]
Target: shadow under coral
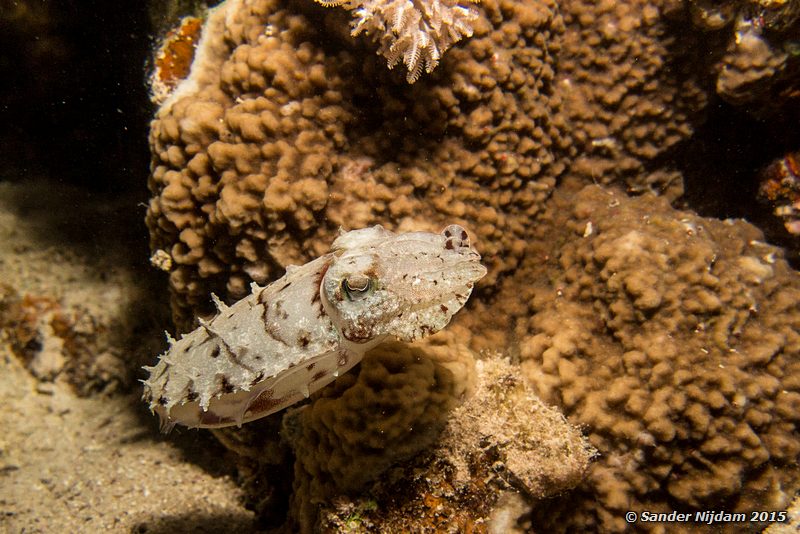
[(196, 524)]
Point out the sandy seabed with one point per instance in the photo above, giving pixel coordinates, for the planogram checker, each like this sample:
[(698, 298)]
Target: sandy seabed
[(94, 463)]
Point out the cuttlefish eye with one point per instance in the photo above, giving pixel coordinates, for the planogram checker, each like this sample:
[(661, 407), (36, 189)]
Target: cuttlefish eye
[(357, 286)]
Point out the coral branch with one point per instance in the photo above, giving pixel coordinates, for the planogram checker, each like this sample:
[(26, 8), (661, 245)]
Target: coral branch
[(416, 31)]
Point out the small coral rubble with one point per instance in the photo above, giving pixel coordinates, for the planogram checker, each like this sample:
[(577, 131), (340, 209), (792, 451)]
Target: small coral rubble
[(674, 339), (780, 187), (59, 342)]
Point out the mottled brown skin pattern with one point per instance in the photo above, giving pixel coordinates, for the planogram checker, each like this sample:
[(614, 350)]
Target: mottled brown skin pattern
[(286, 340)]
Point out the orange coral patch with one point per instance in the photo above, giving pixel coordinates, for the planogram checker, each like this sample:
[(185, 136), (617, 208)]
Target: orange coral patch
[(174, 58)]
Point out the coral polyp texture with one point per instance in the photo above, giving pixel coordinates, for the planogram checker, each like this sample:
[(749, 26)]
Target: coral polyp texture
[(393, 408), (418, 32), (288, 128), (502, 441), (631, 93), (754, 50), (283, 133), (673, 340)]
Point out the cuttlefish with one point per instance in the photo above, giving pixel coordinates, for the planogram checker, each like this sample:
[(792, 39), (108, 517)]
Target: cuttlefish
[(290, 338)]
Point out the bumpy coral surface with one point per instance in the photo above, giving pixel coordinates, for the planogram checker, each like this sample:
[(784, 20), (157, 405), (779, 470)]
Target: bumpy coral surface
[(529, 445), (674, 339), (393, 408), (501, 442), (628, 91), (289, 128), (753, 47), (284, 132)]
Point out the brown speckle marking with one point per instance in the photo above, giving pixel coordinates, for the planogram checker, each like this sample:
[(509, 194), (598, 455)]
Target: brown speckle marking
[(303, 340), (443, 308), (265, 404), (358, 333), (273, 331), (278, 306), (265, 312), (259, 377), (210, 418), (310, 366), (318, 283), (280, 311), (226, 386), (449, 244), (319, 375), (215, 352), (372, 270)]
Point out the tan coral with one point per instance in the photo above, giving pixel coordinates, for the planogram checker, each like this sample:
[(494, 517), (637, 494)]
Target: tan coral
[(750, 69), (274, 101), (501, 442), (280, 136), (530, 444), (674, 340), (749, 46), (391, 409), (630, 90)]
